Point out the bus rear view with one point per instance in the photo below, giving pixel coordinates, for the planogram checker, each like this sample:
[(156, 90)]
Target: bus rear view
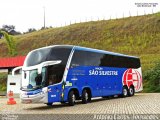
[(65, 73)]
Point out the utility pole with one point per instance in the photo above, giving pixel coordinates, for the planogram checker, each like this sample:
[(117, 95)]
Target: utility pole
[(44, 17)]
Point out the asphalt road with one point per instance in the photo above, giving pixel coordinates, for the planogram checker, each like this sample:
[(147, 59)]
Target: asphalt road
[(141, 103)]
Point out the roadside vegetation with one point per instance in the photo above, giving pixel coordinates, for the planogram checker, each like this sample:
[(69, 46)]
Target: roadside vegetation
[(3, 81), (10, 42), (152, 79)]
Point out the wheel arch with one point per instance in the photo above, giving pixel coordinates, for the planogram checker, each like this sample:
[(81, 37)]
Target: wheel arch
[(132, 86), (76, 91), (125, 86)]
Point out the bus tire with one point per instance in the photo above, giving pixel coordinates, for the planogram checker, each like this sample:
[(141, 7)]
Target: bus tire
[(124, 92), (85, 97), (71, 98), (131, 91)]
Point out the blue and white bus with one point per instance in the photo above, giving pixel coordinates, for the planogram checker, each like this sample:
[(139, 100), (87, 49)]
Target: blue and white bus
[(66, 73)]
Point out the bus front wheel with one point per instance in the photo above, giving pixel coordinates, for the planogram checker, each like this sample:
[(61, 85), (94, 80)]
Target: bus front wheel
[(71, 98)]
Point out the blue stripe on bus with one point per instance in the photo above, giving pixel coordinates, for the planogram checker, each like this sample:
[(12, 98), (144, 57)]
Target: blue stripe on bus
[(34, 92)]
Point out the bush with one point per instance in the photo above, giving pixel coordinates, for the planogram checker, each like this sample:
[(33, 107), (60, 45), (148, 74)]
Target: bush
[(4, 88), (3, 81), (152, 79)]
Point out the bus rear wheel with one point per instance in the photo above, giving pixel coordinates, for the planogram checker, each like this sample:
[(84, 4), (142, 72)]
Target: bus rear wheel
[(131, 91), (124, 91), (71, 98), (85, 97)]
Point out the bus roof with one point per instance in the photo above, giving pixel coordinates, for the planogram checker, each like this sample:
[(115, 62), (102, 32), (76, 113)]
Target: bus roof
[(51, 46), (87, 49)]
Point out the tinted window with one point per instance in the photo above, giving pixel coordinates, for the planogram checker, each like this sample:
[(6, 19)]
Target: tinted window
[(94, 59), (59, 53), (46, 54), (79, 58), (120, 61), (87, 58), (55, 72), (37, 57)]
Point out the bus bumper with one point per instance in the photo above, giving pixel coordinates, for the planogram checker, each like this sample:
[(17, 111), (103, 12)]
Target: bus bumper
[(37, 98)]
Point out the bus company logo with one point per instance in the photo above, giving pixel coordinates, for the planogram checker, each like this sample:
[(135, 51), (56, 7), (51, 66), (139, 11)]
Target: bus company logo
[(132, 76)]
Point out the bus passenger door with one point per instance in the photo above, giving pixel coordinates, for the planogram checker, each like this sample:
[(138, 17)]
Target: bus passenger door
[(55, 74)]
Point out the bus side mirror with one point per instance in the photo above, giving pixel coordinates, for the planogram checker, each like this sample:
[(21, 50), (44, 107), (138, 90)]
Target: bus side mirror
[(15, 69)]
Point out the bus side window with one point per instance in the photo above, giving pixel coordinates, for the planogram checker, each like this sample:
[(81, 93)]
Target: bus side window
[(86, 58), (78, 59), (55, 74), (74, 65), (93, 59)]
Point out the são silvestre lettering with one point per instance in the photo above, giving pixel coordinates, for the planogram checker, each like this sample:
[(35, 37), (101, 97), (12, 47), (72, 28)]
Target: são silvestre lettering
[(102, 72)]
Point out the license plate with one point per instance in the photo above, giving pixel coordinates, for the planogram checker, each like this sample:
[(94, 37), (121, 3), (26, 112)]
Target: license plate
[(24, 96), (28, 101)]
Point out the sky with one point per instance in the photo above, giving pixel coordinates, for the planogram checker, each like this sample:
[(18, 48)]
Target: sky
[(25, 14)]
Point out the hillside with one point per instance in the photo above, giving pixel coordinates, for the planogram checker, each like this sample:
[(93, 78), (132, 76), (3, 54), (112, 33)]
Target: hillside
[(139, 36)]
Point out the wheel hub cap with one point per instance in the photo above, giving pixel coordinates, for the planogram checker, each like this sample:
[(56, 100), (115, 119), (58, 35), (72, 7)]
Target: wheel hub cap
[(73, 98), (86, 96), (125, 92)]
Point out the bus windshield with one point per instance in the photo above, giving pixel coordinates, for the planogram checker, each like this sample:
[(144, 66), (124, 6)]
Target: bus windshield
[(54, 74), (47, 54), (37, 57), (35, 80)]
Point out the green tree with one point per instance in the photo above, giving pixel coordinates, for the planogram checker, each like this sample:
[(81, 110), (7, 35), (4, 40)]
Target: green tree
[(10, 43)]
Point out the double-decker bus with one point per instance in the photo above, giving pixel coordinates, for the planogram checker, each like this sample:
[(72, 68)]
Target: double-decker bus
[(66, 73)]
